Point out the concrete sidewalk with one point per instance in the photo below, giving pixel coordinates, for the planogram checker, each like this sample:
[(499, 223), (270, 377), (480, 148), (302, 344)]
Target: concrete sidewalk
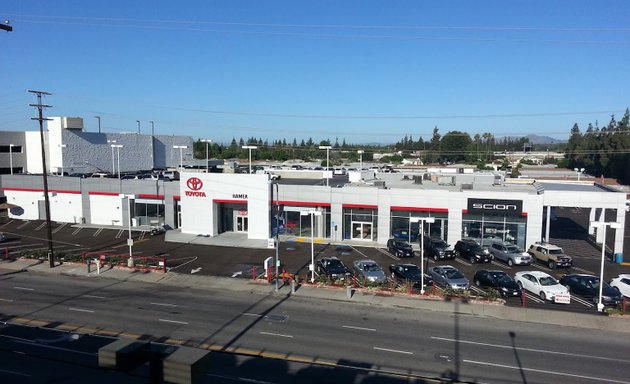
[(366, 297)]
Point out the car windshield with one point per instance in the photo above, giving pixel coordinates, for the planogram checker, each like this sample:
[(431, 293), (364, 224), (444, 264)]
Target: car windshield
[(501, 278), (556, 252), (403, 245), (548, 281), (514, 249), (412, 270), (453, 274), (593, 283), (335, 264), (476, 248), (440, 243), (371, 267)]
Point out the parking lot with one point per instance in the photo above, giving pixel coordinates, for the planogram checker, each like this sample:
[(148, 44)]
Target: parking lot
[(295, 256)]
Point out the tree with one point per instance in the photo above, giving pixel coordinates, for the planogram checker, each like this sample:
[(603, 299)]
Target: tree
[(453, 146)]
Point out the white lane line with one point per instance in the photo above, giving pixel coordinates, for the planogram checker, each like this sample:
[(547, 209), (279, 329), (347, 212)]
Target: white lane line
[(358, 328), (251, 314), (276, 334), (582, 301), (500, 264), (583, 270), (24, 289), (462, 262), (15, 373), (533, 298), (239, 379), (387, 253), (474, 288), (80, 310), (530, 349), (7, 300), (164, 304), (94, 297), (393, 350), (547, 372), (173, 321)]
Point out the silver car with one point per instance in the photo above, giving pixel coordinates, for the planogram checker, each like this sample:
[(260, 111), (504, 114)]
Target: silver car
[(511, 254), (370, 271), (449, 277)]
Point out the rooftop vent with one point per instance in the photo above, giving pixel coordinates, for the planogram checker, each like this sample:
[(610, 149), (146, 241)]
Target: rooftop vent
[(467, 186), (540, 189), (379, 184), (417, 179)]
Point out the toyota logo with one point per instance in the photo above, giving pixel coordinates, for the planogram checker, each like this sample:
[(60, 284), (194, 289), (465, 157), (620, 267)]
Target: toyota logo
[(194, 183)]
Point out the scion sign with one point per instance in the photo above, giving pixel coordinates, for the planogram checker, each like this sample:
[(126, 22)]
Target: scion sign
[(495, 207)]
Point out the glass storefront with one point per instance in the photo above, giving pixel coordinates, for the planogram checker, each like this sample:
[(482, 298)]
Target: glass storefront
[(292, 223), (486, 229), (403, 225), (360, 224), (148, 212)]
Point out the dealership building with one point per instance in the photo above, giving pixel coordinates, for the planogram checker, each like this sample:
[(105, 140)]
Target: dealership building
[(362, 208)]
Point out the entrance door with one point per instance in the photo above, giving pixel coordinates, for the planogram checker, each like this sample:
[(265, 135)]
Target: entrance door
[(241, 221), (361, 231)]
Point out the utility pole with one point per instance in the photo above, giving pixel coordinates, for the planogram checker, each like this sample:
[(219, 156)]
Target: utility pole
[(40, 117)]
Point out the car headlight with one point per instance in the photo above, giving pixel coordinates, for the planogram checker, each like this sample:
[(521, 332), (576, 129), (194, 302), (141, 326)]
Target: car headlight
[(504, 289)]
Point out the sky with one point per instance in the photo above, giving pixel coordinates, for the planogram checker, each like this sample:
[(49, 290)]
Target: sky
[(367, 71)]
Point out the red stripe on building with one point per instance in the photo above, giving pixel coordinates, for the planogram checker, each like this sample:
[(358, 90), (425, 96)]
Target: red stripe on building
[(419, 209), (42, 191), (366, 206), (104, 193), (149, 196), (229, 201), (302, 203), (176, 197)]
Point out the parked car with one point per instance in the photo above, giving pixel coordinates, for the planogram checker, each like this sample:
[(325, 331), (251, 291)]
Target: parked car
[(588, 286), (471, 250), (332, 267), (370, 271), (399, 248), (438, 249), (622, 284), (409, 273), (511, 254), (449, 277), (404, 234), (2, 237), (543, 285), (498, 280), (550, 254)]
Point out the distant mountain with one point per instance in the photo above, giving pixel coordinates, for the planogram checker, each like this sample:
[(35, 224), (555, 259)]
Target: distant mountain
[(537, 139)]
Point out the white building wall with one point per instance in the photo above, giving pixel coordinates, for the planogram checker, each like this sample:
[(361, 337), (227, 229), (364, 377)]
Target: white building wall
[(27, 201), (34, 151), (65, 207), (200, 212), (107, 209)]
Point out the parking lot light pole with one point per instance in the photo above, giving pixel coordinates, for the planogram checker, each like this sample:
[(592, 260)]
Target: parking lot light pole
[(601, 225), (421, 220), (112, 142), (579, 172), (327, 148), (117, 146), (11, 156), (181, 156), (250, 147), (312, 213), (277, 231), (130, 261), (207, 141)]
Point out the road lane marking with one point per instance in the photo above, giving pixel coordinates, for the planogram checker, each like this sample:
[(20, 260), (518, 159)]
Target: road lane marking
[(533, 298), (393, 350), (94, 297), (276, 334), (15, 373), (462, 262), (80, 310), (500, 265), (358, 328), (547, 372), (251, 314), (173, 321), (583, 270), (24, 289), (582, 301), (530, 349), (388, 254), (7, 300), (239, 379), (164, 304)]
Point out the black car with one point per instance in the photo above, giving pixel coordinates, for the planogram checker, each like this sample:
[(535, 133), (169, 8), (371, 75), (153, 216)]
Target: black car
[(399, 248), (332, 267), (403, 273), (437, 249), (588, 286), (499, 280), (472, 251)]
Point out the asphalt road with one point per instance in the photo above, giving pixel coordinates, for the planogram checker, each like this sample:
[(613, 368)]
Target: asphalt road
[(400, 340)]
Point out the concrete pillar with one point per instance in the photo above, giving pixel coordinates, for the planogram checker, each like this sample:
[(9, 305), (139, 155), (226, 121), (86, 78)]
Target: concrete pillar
[(591, 218), (619, 232), (548, 225)]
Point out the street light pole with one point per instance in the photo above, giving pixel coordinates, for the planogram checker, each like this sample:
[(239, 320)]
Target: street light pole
[(421, 220), (130, 261), (313, 213), (250, 147), (117, 146), (277, 231), (207, 141), (11, 156), (327, 148), (579, 172), (62, 146), (99, 123), (112, 142), (601, 225), (138, 121), (181, 156)]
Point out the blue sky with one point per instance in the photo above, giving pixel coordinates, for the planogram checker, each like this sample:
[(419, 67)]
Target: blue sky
[(366, 71)]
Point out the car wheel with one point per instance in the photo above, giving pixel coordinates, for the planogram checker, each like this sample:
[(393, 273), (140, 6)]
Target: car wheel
[(520, 285), (435, 257), (551, 264), (472, 259), (510, 262), (478, 283), (542, 295)]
